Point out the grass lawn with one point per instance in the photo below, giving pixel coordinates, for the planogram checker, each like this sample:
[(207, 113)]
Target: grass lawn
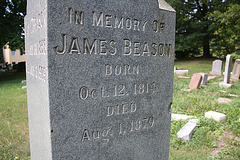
[(211, 140)]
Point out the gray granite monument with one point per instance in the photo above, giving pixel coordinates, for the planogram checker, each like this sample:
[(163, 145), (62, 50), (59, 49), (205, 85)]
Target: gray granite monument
[(100, 79), (228, 66), (216, 67)]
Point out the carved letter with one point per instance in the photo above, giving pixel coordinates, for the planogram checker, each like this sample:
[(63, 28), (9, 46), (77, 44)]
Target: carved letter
[(118, 69), (85, 135), (70, 10), (168, 50), (113, 51), (83, 93), (108, 21), (98, 21), (89, 48), (127, 47), (74, 47), (161, 49), (146, 49), (144, 26), (135, 69), (128, 23), (154, 45), (110, 111), (103, 47), (118, 24), (78, 17), (64, 45), (136, 25), (136, 49), (108, 69), (133, 107)]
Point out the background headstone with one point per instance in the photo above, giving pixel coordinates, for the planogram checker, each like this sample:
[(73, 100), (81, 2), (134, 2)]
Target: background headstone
[(181, 72), (99, 78), (228, 66), (195, 81), (216, 67), (236, 70), (204, 78)]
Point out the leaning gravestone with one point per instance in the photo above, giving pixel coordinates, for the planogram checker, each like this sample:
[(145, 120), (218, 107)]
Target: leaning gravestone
[(100, 78), (195, 81), (216, 67)]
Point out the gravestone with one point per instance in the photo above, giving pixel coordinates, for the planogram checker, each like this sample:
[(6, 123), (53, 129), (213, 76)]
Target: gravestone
[(195, 81), (204, 78), (228, 66), (99, 78), (236, 70), (216, 67)]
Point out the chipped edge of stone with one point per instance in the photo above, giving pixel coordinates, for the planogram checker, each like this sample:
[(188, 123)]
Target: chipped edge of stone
[(165, 6)]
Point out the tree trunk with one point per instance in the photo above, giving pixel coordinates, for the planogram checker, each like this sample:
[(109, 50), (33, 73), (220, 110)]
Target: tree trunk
[(206, 47)]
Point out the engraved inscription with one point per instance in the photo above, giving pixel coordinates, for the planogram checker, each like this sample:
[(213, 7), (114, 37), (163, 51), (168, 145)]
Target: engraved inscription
[(116, 90), (121, 69), (110, 21), (121, 109), (36, 23), (135, 125), (37, 48), (38, 72), (97, 135), (75, 16), (136, 48), (86, 46)]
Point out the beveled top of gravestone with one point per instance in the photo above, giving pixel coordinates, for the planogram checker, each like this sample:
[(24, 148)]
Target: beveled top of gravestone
[(216, 67), (110, 78), (195, 81)]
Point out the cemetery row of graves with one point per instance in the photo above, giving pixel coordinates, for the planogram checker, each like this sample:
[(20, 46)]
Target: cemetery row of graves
[(193, 134)]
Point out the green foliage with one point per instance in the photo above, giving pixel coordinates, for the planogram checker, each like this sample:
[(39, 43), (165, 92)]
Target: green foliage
[(227, 33), (204, 26), (12, 23)]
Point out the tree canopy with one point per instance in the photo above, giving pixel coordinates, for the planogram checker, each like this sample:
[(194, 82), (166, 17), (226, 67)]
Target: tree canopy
[(203, 24), (12, 14)]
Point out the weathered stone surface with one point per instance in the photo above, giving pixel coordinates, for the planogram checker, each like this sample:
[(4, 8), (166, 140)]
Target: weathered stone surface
[(236, 70), (185, 133), (100, 78), (180, 117), (216, 67), (228, 66), (224, 100), (225, 85), (233, 95), (181, 72), (219, 117), (211, 77), (183, 77), (204, 78), (195, 81), (24, 87)]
